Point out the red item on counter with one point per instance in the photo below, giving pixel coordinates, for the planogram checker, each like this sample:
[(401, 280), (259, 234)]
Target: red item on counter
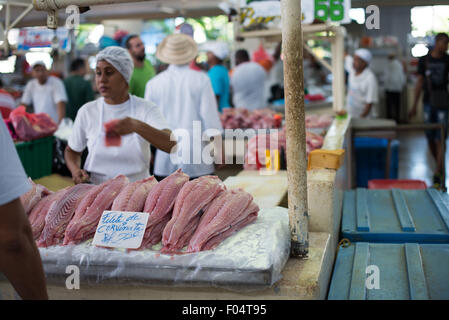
[(112, 139), (30, 126), (314, 97), (397, 184)]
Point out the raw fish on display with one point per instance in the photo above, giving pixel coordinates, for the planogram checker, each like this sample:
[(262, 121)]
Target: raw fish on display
[(193, 197), (60, 213), (132, 198), (32, 197), (88, 213)]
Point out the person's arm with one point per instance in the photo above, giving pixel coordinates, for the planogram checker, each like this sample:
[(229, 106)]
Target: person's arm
[(73, 162), (418, 90), (26, 97), (20, 260), (61, 110), (367, 110), (158, 138)]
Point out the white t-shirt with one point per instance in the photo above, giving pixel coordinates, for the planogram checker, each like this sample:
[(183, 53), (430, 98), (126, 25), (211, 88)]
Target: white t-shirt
[(86, 130), (45, 97), (394, 76), (185, 96), (248, 86), (362, 90), (13, 180)]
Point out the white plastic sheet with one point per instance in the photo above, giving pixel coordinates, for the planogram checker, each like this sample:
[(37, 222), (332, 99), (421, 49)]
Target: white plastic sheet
[(252, 258)]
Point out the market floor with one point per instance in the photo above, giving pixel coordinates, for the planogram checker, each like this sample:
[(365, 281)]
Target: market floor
[(415, 160)]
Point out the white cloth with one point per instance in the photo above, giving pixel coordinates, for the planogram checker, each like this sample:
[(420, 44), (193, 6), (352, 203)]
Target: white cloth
[(219, 49), (248, 85), (6, 100), (13, 180), (184, 96), (362, 90), (120, 60), (45, 97), (349, 60), (394, 76), (132, 158)]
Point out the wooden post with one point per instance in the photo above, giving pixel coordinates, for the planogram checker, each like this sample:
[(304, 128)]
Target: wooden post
[(338, 73), (292, 47)]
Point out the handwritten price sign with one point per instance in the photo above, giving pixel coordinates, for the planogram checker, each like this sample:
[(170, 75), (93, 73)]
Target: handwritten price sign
[(121, 229)]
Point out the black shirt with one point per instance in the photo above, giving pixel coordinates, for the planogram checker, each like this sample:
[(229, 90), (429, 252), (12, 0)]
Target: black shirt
[(439, 73)]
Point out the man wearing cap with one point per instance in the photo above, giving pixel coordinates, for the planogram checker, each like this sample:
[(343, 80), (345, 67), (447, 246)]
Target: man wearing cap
[(218, 74), (362, 87), (187, 101), (138, 122), (143, 70), (46, 93)]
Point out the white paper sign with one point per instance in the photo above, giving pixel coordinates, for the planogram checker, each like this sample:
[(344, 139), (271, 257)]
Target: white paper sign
[(121, 229)]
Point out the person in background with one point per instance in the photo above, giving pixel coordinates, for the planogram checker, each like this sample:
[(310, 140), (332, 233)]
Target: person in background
[(143, 70), (248, 83), (362, 87), (7, 102), (313, 71), (46, 93), (140, 123), (394, 84), (185, 96), (348, 61), (20, 260), (218, 74), (433, 73), (276, 76), (79, 91)]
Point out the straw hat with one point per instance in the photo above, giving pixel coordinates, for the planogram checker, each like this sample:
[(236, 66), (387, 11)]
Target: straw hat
[(177, 49)]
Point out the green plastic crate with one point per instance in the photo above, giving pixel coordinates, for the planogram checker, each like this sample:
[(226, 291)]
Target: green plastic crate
[(36, 156)]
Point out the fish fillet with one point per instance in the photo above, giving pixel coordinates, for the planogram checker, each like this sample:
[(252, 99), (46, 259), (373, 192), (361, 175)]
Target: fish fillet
[(192, 198), (227, 214), (32, 197), (132, 198), (100, 198), (60, 214), (184, 239), (159, 204), (40, 210)]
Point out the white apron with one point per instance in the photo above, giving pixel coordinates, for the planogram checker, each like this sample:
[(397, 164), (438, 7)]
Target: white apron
[(105, 163)]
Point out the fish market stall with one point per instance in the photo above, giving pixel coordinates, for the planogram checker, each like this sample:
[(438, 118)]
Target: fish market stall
[(246, 258)]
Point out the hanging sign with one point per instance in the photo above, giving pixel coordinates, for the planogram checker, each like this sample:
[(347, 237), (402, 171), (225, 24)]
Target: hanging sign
[(42, 38), (257, 12)]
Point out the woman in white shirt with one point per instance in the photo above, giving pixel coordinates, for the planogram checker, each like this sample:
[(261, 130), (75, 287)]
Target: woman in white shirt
[(141, 124)]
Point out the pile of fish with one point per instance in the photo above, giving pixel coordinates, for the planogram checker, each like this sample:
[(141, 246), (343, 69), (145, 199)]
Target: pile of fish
[(255, 154), (318, 121), (241, 118), (197, 214)]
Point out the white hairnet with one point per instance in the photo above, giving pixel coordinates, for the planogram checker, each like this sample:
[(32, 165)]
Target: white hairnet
[(120, 60), (364, 54)]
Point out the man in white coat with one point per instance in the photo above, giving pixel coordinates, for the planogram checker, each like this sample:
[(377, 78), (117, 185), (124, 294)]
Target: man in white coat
[(362, 87), (248, 83), (188, 103), (46, 93), (394, 84)]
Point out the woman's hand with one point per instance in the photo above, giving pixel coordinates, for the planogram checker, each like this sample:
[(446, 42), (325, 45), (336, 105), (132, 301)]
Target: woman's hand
[(80, 176), (125, 126)]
